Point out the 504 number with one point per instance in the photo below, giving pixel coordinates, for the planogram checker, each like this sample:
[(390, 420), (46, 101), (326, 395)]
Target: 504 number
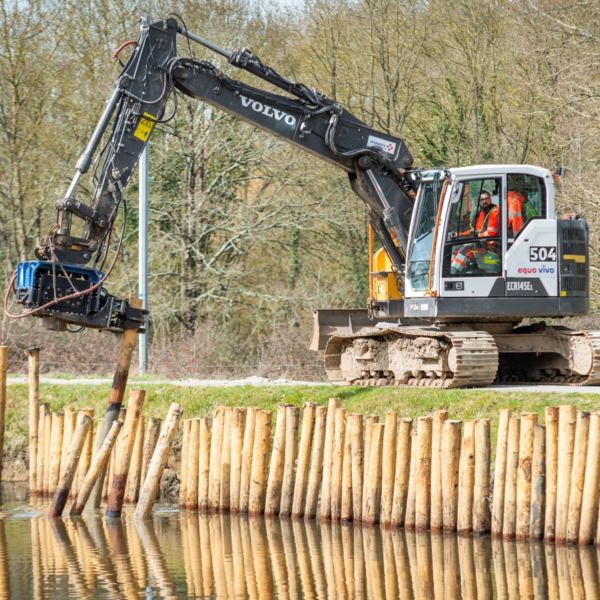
[(542, 254)]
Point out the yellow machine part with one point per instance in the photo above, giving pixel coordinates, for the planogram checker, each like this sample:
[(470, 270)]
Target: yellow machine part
[(383, 279)]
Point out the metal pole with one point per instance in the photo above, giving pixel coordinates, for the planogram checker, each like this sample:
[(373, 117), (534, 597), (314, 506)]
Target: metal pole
[(143, 254)]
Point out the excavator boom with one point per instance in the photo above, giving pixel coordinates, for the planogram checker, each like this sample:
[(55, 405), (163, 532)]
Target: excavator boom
[(57, 285)]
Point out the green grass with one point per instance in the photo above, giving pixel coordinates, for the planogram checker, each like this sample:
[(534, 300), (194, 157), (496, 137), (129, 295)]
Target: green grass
[(198, 401)]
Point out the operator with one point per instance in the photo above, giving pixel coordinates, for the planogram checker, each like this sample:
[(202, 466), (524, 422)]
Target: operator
[(487, 225), (487, 222)]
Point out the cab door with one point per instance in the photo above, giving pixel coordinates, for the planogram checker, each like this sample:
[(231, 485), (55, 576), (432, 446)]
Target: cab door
[(532, 247), (474, 239)]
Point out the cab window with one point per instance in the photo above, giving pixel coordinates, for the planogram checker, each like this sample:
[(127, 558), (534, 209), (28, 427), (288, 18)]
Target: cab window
[(525, 200), (473, 243), (420, 253)]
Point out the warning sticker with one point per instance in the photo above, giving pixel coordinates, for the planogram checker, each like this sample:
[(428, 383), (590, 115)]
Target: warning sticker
[(144, 127)]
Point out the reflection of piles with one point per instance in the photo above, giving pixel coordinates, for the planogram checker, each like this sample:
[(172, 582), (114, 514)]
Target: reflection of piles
[(4, 573), (154, 559), (237, 556)]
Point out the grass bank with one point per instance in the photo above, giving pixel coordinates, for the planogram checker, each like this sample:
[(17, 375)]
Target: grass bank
[(198, 401)]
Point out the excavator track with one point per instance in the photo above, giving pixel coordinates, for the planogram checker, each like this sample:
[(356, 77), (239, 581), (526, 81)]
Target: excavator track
[(431, 357), (561, 376), (468, 359), (594, 376)]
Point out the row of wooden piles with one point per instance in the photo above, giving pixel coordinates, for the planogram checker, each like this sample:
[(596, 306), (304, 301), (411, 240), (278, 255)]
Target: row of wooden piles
[(547, 477), (57, 432), (428, 473), (218, 556), (420, 474), (122, 463)]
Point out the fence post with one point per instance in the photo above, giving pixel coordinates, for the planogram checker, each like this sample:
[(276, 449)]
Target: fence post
[(273, 498), (238, 420), (216, 445), (551, 419), (591, 490), (291, 436), (466, 479), (346, 510), (225, 462), (123, 458), (337, 464), (437, 508), (184, 461), (481, 505), (135, 469), (402, 473), (582, 429), (247, 448), (302, 470), (204, 463), (316, 463), (528, 423), (388, 466), (409, 514), (325, 506), (538, 483), (56, 435), (500, 472), (451, 449), (372, 486), (260, 459), (423, 487), (158, 462), (357, 468), (567, 418), (33, 360), (509, 518)]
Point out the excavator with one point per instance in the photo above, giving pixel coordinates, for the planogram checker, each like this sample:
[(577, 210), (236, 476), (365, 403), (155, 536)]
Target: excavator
[(461, 260)]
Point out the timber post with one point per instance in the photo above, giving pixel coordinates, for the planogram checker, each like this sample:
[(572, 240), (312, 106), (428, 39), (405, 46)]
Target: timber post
[(115, 400)]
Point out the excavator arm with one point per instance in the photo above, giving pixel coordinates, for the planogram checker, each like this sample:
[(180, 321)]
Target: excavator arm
[(59, 286)]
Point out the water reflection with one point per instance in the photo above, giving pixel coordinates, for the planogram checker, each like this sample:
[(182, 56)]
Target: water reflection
[(222, 556)]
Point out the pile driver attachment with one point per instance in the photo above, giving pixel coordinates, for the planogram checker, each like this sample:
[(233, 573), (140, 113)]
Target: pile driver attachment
[(73, 295)]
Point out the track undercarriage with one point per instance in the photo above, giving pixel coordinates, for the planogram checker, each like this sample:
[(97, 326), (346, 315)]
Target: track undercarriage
[(455, 355)]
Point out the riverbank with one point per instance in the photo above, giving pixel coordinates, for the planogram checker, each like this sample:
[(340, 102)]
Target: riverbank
[(201, 400)]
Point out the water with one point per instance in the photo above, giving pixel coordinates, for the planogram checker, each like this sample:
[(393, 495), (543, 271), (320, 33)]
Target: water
[(178, 555)]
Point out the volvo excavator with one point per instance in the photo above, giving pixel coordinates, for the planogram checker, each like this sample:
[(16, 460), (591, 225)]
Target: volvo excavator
[(449, 289)]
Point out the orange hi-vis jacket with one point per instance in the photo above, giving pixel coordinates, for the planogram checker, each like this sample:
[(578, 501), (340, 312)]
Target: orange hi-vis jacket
[(515, 201), (488, 222)]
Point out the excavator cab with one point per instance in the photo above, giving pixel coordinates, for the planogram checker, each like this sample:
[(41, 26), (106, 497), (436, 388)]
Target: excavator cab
[(485, 243)]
